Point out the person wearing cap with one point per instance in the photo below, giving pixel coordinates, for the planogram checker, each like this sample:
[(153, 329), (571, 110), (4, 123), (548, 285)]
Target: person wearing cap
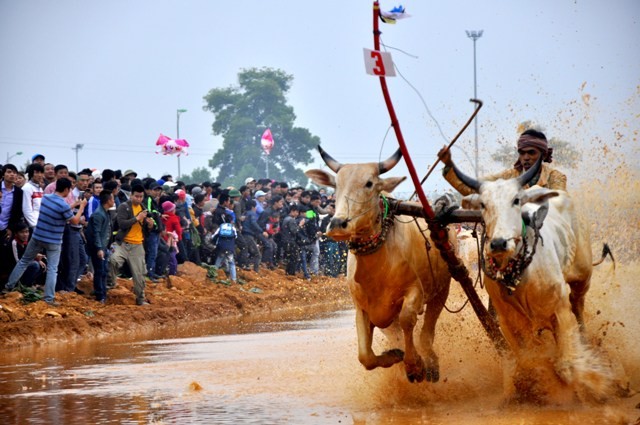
[(532, 144), (130, 174), (152, 235), (131, 217), (172, 234), (260, 201), (38, 158), (250, 182)]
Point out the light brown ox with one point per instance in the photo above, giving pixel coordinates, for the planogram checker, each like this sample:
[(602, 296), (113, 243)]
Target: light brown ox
[(535, 314), (393, 284)]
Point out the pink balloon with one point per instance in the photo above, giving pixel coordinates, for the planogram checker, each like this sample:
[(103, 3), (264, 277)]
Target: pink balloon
[(169, 146), (267, 141)]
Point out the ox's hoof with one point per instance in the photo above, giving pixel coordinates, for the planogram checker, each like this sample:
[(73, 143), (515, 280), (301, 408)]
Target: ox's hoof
[(416, 372), (433, 374), (564, 370)]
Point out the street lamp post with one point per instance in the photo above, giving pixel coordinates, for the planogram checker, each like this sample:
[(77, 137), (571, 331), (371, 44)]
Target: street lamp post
[(178, 112), (11, 156), (475, 35), (77, 148)]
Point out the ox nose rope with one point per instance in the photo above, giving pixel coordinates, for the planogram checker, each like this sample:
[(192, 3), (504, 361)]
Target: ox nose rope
[(374, 242), (511, 276)]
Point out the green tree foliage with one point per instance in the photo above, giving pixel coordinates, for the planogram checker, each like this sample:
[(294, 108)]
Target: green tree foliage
[(564, 154), (198, 175), (242, 114)]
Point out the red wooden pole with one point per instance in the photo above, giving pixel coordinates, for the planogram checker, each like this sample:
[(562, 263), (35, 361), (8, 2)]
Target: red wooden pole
[(438, 231)]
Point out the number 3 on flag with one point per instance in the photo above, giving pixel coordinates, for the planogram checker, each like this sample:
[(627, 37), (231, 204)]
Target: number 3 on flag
[(378, 63)]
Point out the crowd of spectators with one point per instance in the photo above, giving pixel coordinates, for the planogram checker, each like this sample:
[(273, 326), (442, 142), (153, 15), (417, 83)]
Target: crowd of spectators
[(58, 225)]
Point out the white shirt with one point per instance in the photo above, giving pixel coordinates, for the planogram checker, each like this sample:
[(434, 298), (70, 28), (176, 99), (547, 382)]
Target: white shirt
[(32, 195)]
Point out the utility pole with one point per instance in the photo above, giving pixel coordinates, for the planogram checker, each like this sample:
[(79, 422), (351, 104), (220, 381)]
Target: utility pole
[(178, 112), (475, 35), (78, 147)]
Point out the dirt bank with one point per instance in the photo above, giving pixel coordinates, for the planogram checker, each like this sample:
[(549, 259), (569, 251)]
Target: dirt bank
[(189, 297)]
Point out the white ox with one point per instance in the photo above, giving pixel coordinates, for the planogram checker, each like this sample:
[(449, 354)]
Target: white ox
[(391, 276), (543, 296)]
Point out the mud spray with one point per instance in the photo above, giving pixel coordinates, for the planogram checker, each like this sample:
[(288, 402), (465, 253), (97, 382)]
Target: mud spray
[(474, 379)]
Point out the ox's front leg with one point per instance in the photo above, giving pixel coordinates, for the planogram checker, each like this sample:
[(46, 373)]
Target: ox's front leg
[(567, 340), (366, 356), (411, 307)]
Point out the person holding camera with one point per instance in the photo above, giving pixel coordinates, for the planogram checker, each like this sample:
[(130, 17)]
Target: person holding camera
[(152, 235), (131, 219)]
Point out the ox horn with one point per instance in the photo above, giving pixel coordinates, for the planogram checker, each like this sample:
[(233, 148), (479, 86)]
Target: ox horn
[(390, 162), (471, 182), (531, 172), (328, 159)]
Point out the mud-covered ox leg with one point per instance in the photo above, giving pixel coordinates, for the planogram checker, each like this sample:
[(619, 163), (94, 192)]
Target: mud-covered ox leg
[(427, 334), (567, 339), (411, 307), (366, 356), (578, 292)]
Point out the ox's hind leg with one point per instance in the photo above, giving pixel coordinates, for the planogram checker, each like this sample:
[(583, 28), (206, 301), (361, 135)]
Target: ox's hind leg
[(411, 307), (366, 356)]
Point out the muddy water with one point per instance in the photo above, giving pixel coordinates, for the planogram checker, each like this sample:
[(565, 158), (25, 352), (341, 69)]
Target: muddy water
[(298, 371), (304, 371)]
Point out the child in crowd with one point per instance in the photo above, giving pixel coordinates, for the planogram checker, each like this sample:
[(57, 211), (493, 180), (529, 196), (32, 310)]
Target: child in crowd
[(172, 234), (225, 240), (37, 267)]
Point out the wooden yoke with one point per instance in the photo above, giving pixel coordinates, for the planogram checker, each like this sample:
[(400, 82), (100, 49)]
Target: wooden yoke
[(438, 229)]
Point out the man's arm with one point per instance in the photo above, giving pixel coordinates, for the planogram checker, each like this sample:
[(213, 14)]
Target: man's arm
[(76, 218)]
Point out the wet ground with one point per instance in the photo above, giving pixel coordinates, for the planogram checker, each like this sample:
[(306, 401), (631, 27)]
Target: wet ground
[(296, 371)]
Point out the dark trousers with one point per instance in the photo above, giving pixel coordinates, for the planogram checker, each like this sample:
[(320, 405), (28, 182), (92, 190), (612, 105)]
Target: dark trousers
[(268, 250), (291, 257), (70, 259), (100, 273), (251, 253), (151, 241)]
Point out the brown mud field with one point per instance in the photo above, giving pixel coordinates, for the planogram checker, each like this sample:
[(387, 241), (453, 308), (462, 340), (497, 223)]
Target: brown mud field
[(474, 379), (180, 300)]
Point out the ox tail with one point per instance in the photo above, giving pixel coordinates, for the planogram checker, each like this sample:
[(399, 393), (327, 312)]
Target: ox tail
[(605, 251)]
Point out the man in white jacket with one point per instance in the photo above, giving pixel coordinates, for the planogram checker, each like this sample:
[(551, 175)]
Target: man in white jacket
[(32, 194)]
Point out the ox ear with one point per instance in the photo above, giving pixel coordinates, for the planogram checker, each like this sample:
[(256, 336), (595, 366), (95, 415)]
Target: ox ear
[(471, 202), (389, 184), (537, 195), (321, 177), (536, 218)]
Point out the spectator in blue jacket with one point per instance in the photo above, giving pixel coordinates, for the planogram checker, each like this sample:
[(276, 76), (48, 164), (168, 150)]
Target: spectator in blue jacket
[(98, 235)]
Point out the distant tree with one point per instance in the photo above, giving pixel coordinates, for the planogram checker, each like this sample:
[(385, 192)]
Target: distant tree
[(564, 154), (243, 113), (198, 175)]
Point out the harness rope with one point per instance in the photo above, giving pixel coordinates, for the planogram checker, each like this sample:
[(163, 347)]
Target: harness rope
[(374, 242), (511, 276)]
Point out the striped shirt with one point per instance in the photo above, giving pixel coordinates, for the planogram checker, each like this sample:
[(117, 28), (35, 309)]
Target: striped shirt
[(54, 214)]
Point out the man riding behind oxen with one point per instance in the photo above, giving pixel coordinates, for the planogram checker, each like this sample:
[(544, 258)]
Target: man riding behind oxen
[(531, 145), (537, 261)]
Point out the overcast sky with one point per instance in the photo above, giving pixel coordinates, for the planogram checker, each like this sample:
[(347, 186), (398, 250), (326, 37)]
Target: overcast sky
[(111, 75)]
